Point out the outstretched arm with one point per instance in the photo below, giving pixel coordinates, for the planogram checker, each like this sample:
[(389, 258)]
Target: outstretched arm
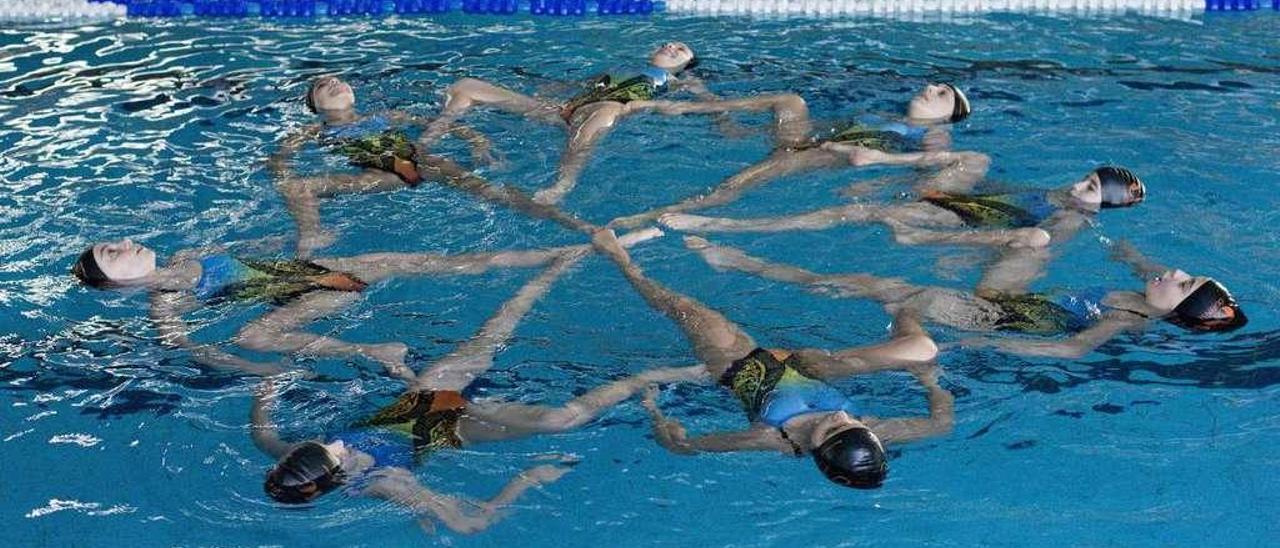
[(481, 146), (671, 434), (278, 163), (459, 514), (264, 433), (1143, 267), (941, 412), (813, 220), (959, 170), (1112, 324), (166, 311)]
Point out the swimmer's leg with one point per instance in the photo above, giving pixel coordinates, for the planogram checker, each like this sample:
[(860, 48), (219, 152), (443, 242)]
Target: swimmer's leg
[(487, 421), (814, 220), (469, 92), (582, 141), (302, 197), (470, 360), (280, 331), (883, 290), (717, 342), (1014, 271), (780, 164), (451, 174), (910, 345), (791, 114), (1017, 238)]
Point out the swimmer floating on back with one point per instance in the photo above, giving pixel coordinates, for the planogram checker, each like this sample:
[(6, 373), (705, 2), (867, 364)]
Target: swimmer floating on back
[(377, 143), (374, 457), (303, 290), (1088, 319), (1025, 219), (791, 409), (922, 130), (587, 118)]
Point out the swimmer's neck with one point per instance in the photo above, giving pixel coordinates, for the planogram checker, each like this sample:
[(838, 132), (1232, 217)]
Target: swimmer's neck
[(1062, 198), (1134, 302), (178, 276), (799, 429), (339, 116)]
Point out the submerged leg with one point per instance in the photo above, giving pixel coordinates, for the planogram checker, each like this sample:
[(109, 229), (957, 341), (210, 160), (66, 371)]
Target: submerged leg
[(582, 141), (909, 346), (716, 341), (451, 174), (302, 197)]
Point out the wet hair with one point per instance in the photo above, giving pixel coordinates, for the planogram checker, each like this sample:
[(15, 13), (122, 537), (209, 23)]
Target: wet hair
[(311, 92), (1209, 308), (307, 472), (692, 64), (853, 458), (1120, 187), (88, 272), (961, 109)]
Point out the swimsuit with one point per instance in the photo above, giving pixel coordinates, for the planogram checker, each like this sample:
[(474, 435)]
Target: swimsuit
[(1013, 210), (278, 281), (874, 132), (641, 87), (1049, 314), (431, 417), (773, 392), (372, 143)]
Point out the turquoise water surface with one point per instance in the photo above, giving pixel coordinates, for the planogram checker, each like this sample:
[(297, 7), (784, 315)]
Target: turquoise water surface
[(158, 131)]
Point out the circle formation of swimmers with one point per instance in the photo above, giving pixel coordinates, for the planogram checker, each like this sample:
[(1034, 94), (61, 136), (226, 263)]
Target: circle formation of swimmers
[(790, 407)]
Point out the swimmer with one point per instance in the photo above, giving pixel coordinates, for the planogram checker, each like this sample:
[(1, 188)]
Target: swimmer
[(791, 408), (374, 457), (1025, 219), (302, 290), (587, 117), (377, 143), (1087, 319), (923, 129)]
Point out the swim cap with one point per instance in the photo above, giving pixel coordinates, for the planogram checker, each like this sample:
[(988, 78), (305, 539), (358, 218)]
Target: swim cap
[(853, 458), (307, 472), (311, 103), (1209, 308), (87, 270), (1120, 187), (961, 110)]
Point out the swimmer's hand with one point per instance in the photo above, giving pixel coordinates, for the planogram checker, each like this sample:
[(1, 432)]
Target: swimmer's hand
[(544, 474), (668, 432)]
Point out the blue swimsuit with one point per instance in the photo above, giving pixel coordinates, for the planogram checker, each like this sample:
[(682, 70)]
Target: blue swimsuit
[(773, 392)]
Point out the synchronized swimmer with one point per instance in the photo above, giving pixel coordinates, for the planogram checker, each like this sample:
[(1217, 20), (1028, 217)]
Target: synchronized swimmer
[(789, 404)]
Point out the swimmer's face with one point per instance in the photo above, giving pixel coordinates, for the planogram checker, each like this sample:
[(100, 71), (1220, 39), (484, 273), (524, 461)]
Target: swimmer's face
[(832, 424), (672, 56), (124, 261), (1166, 291), (330, 93), (934, 102), (1088, 191)]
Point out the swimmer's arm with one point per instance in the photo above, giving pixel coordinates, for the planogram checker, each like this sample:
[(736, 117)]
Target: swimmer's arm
[(1143, 267), (699, 89), (264, 433), (166, 312), (278, 163), (460, 514), (670, 434), (1075, 347), (941, 412), (481, 146)]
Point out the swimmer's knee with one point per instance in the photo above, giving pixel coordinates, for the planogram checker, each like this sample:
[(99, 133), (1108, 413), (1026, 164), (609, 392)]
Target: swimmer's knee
[(569, 417), (919, 348), (791, 102)]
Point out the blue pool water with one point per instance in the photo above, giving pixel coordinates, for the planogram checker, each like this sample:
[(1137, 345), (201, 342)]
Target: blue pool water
[(158, 131)]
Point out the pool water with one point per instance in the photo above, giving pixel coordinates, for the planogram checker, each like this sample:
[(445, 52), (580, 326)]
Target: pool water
[(158, 130)]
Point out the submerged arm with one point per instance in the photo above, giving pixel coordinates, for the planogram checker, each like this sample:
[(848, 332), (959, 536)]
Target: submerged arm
[(459, 514), (166, 311), (264, 433), (670, 434), (961, 170), (1112, 324), (481, 146), (941, 417), (1143, 267), (278, 163)]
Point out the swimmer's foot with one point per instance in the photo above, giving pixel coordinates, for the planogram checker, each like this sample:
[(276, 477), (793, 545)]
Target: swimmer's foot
[(637, 236), (392, 357), (550, 196), (684, 221)]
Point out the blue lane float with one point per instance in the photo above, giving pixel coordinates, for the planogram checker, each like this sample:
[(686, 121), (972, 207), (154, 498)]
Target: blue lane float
[(340, 8)]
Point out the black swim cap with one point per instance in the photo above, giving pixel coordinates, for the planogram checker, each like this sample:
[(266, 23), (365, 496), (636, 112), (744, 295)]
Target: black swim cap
[(307, 472), (961, 110), (853, 458), (1209, 308), (87, 270), (1120, 187)]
